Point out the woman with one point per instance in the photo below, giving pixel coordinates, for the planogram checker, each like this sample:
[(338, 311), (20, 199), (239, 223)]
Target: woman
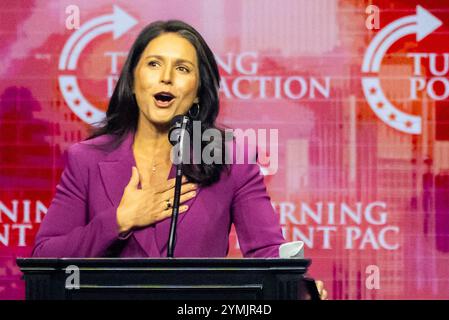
[(116, 192)]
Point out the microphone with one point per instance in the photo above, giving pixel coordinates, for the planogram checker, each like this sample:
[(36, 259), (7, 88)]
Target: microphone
[(176, 135)]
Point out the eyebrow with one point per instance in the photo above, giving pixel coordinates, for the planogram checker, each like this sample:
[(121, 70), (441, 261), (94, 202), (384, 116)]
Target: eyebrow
[(162, 58)]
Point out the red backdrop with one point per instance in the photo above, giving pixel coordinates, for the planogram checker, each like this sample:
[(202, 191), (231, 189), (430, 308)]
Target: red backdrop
[(361, 111)]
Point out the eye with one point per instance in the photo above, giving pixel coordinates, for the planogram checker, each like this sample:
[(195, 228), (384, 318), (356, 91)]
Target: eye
[(183, 69), (153, 63)]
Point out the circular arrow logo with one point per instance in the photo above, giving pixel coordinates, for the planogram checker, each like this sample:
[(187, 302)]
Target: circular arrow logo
[(422, 24), (119, 22)]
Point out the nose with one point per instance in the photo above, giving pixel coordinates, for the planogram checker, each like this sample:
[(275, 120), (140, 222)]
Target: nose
[(166, 75)]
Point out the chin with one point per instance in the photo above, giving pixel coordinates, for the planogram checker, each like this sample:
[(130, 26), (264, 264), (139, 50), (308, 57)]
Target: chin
[(161, 117)]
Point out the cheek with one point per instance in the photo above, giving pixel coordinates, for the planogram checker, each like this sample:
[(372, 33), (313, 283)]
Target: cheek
[(190, 86), (145, 79)]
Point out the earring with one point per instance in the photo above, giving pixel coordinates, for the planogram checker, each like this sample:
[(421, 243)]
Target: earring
[(194, 116)]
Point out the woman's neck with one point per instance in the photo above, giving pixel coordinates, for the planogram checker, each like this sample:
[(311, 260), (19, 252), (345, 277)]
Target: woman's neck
[(151, 142)]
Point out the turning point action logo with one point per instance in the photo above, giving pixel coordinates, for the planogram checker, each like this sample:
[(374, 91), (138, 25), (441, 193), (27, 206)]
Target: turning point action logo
[(422, 24), (119, 22)]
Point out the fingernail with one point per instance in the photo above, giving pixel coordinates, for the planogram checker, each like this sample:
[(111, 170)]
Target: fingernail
[(184, 208), (193, 193)]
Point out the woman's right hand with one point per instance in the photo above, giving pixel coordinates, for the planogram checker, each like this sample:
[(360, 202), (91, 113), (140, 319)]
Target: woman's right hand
[(142, 207)]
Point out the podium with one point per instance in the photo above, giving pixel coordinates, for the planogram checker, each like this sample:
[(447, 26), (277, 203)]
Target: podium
[(167, 279)]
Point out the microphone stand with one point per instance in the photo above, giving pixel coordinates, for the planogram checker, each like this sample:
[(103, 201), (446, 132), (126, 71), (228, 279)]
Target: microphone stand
[(178, 182)]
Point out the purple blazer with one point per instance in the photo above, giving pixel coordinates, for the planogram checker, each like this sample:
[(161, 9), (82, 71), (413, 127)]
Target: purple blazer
[(81, 220)]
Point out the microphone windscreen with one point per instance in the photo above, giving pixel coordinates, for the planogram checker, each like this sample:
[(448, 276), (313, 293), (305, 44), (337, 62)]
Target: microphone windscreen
[(176, 125)]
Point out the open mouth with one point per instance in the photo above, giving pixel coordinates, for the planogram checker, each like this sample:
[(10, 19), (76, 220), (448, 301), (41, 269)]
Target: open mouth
[(164, 97)]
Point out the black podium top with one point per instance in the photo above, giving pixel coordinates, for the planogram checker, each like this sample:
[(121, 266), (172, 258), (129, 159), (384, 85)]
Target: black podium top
[(293, 265), (165, 278)]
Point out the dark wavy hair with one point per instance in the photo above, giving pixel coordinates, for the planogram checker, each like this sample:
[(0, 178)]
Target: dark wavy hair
[(123, 113)]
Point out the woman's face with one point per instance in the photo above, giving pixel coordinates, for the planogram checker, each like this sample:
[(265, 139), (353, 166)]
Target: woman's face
[(166, 78)]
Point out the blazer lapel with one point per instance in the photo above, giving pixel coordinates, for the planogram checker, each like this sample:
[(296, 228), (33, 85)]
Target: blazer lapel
[(115, 176), (115, 173)]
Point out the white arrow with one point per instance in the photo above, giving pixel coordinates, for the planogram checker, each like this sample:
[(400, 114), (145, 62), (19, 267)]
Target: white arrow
[(379, 38), (77, 102), (388, 42), (422, 24), (74, 56), (402, 121), (118, 22), (427, 23)]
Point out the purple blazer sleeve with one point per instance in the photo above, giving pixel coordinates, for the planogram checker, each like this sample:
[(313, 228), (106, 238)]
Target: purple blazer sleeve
[(65, 232), (256, 223)]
